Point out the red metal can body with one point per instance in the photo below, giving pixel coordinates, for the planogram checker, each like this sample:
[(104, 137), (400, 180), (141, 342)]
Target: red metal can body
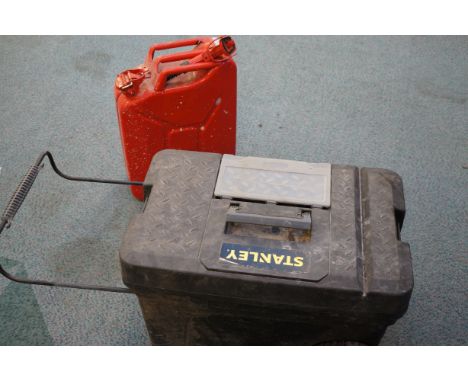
[(184, 100)]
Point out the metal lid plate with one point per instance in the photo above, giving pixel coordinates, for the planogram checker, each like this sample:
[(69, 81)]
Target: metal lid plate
[(274, 180)]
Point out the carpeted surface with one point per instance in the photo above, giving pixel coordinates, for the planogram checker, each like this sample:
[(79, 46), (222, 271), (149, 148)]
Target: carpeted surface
[(393, 102)]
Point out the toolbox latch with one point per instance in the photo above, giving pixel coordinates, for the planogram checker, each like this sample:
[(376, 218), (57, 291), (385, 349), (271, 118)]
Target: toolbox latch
[(270, 215)]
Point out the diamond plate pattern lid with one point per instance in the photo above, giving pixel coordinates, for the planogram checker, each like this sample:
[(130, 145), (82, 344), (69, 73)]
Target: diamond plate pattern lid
[(274, 180)]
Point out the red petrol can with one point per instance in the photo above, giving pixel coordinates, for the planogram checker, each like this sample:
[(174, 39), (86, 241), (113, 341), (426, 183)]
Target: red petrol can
[(184, 100)]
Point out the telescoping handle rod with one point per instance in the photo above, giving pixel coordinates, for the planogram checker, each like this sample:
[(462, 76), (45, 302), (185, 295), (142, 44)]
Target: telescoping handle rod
[(17, 200)]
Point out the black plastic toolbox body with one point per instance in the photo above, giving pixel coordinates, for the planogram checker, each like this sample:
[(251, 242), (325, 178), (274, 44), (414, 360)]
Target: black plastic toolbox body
[(354, 279)]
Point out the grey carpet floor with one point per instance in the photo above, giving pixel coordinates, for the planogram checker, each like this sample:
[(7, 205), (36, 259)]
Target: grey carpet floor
[(393, 102)]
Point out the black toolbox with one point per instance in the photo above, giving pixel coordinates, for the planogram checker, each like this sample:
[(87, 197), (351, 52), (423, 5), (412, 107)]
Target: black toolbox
[(236, 251)]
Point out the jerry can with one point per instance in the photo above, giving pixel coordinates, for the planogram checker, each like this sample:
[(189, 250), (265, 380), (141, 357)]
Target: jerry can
[(184, 100)]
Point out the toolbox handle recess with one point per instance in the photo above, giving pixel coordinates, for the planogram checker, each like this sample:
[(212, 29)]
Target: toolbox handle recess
[(17, 200), (302, 221)]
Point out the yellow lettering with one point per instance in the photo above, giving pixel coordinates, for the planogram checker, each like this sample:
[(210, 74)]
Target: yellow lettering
[(298, 261), (278, 259), (255, 256), (265, 258), (232, 254), (243, 255), (288, 261)]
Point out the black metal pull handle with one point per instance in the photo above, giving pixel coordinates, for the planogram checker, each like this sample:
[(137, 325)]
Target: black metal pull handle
[(17, 200)]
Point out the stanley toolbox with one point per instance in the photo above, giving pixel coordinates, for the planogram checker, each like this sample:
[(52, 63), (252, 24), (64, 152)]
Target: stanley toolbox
[(240, 250)]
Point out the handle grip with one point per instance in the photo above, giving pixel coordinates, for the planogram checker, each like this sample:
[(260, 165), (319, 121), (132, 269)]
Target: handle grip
[(19, 195)]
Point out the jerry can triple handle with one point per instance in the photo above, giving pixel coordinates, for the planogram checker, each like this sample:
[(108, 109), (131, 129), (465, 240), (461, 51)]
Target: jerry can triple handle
[(17, 200), (219, 50), (169, 45)]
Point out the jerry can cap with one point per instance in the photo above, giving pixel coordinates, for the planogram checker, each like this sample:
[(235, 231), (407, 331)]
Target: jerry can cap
[(221, 49)]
